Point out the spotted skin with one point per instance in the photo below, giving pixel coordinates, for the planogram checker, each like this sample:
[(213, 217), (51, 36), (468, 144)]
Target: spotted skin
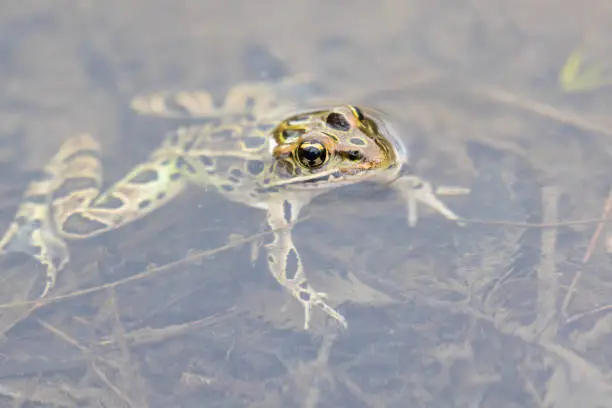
[(251, 150)]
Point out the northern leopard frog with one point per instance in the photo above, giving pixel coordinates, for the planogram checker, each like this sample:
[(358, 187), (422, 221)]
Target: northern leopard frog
[(251, 151)]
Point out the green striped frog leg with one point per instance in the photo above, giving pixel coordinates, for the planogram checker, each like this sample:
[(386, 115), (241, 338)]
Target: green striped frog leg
[(33, 228)]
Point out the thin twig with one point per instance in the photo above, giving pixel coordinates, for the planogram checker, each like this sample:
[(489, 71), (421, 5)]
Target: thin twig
[(599, 228)]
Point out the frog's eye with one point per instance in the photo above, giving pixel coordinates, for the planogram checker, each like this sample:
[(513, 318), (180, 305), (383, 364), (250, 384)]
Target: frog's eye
[(337, 121), (312, 154)]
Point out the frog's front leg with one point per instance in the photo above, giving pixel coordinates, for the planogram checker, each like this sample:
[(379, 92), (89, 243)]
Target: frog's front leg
[(413, 190), (282, 214)]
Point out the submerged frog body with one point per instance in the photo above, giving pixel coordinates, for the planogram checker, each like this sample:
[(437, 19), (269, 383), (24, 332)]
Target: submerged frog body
[(250, 150)]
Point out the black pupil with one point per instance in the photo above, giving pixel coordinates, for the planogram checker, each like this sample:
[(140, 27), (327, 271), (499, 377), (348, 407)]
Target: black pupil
[(337, 121), (312, 154)]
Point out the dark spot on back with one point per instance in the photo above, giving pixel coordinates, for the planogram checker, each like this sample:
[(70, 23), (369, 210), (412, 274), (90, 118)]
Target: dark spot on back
[(183, 164), (254, 142), (255, 167), (249, 117), (223, 134), (207, 161), (265, 127), (337, 121)]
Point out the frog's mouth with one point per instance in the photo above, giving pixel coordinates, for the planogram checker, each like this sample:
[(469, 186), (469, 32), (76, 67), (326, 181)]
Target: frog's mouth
[(331, 178)]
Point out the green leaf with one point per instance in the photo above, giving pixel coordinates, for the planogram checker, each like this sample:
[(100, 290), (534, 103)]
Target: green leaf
[(573, 77)]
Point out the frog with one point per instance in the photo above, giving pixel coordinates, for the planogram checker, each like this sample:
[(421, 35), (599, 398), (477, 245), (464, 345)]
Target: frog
[(256, 147)]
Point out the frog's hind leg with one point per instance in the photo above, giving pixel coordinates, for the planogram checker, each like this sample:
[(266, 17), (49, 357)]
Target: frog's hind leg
[(147, 187), (33, 230), (66, 201), (256, 98)]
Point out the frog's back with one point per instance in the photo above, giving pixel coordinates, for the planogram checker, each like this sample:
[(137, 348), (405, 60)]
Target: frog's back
[(229, 154)]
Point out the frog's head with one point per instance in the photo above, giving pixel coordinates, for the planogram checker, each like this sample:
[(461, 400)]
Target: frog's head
[(333, 147)]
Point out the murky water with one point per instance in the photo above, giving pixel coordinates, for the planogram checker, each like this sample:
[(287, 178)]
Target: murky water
[(486, 315)]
